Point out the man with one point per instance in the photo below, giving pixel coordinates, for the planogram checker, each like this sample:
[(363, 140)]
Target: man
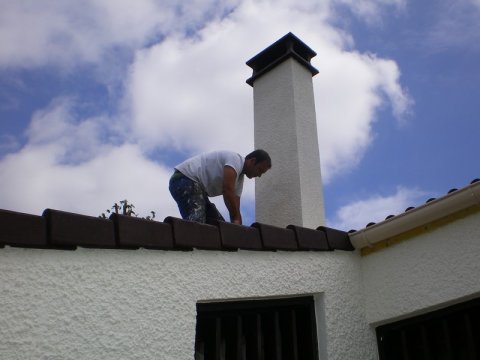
[(212, 174)]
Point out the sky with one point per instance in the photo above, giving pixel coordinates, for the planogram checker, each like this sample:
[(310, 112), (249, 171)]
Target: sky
[(99, 99)]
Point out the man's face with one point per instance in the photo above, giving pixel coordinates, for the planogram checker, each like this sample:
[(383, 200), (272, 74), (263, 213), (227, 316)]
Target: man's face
[(256, 170)]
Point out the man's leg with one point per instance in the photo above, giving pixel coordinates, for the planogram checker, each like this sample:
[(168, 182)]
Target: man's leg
[(189, 197), (213, 214)]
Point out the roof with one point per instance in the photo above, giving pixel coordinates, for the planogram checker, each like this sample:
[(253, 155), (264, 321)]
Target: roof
[(56, 229), (66, 231), (457, 202)]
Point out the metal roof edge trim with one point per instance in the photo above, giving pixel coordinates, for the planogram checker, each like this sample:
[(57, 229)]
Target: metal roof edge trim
[(422, 215)]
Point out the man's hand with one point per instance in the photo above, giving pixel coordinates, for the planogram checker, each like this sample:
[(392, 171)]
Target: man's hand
[(231, 199)]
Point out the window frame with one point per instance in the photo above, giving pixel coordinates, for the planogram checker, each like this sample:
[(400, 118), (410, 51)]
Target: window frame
[(257, 329), (449, 333)]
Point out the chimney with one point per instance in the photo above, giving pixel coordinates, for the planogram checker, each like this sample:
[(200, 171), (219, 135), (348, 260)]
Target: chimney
[(285, 126)]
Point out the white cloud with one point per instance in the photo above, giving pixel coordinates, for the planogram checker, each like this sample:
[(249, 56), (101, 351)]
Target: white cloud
[(184, 93), (171, 107), (375, 208), (371, 11), (455, 24), (349, 90), (184, 97), (76, 140), (8, 143), (32, 181), (65, 165), (34, 33)]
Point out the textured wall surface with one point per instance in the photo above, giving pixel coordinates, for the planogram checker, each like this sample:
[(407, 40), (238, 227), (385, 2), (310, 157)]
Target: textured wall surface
[(435, 269), (285, 126), (114, 304)]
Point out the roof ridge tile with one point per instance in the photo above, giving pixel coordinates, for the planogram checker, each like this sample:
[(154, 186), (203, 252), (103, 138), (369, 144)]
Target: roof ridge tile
[(276, 238), (190, 234), (57, 229)]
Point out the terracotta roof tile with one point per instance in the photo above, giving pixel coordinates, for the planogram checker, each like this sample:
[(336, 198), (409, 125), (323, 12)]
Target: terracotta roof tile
[(239, 237), (337, 240), (132, 232), (310, 239), (23, 230), (69, 230), (276, 238), (189, 234), (63, 230)]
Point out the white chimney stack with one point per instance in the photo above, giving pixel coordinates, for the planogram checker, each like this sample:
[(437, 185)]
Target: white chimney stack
[(285, 126)]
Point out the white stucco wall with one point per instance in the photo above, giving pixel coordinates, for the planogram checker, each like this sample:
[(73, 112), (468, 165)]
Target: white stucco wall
[(114, 304), (435, 269), (285, 126)]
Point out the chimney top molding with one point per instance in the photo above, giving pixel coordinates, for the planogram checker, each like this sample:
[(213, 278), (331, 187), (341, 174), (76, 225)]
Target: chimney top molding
[(286, 47)]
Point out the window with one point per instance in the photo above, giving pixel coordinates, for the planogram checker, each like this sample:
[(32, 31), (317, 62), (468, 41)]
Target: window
[(257, 330), (452, 333)]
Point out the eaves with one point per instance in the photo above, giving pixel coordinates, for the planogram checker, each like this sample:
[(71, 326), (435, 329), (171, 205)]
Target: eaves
[(435, 212)]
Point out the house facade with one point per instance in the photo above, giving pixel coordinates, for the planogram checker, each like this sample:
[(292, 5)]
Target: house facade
[(79, 287)]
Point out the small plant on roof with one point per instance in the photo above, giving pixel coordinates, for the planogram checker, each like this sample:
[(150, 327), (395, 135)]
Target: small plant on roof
[(125, 208)]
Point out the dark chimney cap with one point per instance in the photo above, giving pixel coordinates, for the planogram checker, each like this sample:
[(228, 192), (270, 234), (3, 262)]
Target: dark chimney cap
[(288, 46)]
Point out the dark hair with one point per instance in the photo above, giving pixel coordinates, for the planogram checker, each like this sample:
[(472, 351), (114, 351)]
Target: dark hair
[(260, 156)]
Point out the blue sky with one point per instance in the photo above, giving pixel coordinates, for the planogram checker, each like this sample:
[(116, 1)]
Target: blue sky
[(99, 100)]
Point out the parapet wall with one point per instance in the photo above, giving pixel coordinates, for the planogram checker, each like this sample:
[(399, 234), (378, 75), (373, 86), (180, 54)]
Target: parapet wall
[(77, 297)]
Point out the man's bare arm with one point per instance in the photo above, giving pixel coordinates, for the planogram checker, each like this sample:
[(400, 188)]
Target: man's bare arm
[(231, 199)]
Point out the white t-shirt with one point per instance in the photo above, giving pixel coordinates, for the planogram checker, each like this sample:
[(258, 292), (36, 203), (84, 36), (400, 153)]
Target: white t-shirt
[(207, 170)]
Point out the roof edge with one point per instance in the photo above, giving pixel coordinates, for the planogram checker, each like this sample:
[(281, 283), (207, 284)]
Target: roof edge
[(420, 216)]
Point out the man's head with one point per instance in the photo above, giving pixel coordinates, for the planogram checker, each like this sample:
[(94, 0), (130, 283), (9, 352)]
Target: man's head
[(257, 163)]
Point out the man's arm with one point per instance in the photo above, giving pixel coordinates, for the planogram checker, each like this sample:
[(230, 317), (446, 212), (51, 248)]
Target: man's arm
[(231, 199)]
